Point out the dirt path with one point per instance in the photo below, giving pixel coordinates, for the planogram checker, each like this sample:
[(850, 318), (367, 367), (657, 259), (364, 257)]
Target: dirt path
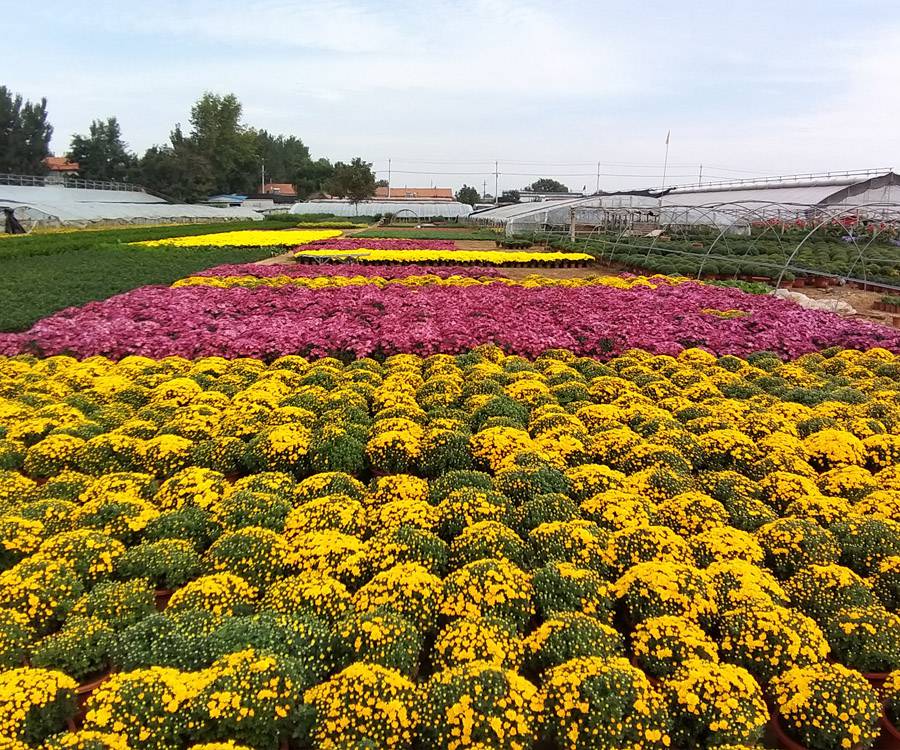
[(476, 245), (858, 299)]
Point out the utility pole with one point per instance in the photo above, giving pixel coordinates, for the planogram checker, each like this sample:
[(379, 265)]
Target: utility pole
[(262, 184), (598, 176), (496, 182), (389, 179), (700, 179), (483, 189), (666, 162)]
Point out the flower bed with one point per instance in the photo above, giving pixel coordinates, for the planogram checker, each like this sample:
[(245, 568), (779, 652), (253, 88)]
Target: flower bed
[(595, 321), (473, 551), (354, 243), (429, 279), (296, 270), (446, 257), (246, 238)]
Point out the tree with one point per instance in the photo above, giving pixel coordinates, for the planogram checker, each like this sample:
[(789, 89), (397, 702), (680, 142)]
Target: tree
[(546, 185), (177, 171), (219, 136), (312, 177), (102, 155), (180, 173), (468, 195), (284, 156), (355, 180), (24, 134), (510, 196)]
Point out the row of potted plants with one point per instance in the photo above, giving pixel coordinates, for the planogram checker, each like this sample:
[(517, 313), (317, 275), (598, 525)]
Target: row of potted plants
[(397, 538)]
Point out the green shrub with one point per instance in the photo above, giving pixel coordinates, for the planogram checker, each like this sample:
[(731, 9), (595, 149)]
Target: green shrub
[(166, 563), (80, 649)]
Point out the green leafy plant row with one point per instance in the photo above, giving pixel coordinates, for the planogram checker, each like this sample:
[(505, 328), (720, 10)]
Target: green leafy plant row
[(44, 273)]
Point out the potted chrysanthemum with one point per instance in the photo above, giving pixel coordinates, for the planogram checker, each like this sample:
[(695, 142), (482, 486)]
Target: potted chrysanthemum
[(714, 704), (602, 704), (890, 718), (825, 706)]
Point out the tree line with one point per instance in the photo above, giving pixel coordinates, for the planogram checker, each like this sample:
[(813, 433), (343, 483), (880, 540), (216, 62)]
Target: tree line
[(469, 194), (219, 154)]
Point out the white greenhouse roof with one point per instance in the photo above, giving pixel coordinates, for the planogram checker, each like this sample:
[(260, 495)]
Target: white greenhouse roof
[(518, 210), (712, 204), (55, 204), (57, 194), (537, 212), (421, 209), (786, 195), (860, 187)]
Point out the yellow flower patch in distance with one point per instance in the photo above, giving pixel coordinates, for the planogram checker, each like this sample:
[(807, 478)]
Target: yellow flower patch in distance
[(246, 238)]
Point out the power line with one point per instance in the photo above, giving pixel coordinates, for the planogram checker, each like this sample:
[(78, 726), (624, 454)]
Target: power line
[(488, 162), (533, 174), (487, 167)]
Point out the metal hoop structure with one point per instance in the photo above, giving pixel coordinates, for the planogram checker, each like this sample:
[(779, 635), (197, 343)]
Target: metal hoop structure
[(775, 235)]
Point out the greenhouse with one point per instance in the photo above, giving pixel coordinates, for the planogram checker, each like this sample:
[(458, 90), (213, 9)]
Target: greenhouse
[(843, 189), (522, 218), (872, 195), (401, 209), (60, 205)]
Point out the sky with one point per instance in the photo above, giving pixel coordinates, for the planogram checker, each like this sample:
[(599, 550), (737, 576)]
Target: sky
[(446, 89)]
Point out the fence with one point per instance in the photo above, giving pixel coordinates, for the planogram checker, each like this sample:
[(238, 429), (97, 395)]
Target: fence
[(24, 180)]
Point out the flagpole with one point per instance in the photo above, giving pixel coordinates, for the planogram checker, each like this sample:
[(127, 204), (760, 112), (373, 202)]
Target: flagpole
[(666, 162)]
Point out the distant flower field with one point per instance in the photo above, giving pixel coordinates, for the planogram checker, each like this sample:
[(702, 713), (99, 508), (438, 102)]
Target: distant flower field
[(246, 238)]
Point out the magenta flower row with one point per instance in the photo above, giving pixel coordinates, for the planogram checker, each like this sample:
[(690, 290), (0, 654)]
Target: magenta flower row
[(357, 243), (300, 270), (593, 321)]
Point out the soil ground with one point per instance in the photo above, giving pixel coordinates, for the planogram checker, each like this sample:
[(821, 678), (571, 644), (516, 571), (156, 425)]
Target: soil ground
[(858, 299)]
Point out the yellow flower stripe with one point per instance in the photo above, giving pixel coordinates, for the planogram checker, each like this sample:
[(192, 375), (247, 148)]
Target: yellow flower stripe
[(246, 238), (326, 282), (494, 257)]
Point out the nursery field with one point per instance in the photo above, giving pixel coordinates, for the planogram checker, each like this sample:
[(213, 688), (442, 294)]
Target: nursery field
[(833, 254), (43, 273), (379, 501)]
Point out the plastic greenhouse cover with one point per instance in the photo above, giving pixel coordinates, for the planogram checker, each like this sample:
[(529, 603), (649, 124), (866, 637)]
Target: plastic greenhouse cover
[(419, 209)]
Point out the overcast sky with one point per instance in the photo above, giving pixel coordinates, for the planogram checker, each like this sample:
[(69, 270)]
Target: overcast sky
[(446, 88)]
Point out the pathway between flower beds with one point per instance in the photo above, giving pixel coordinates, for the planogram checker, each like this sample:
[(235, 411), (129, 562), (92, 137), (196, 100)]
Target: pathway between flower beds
[(368, 320)]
